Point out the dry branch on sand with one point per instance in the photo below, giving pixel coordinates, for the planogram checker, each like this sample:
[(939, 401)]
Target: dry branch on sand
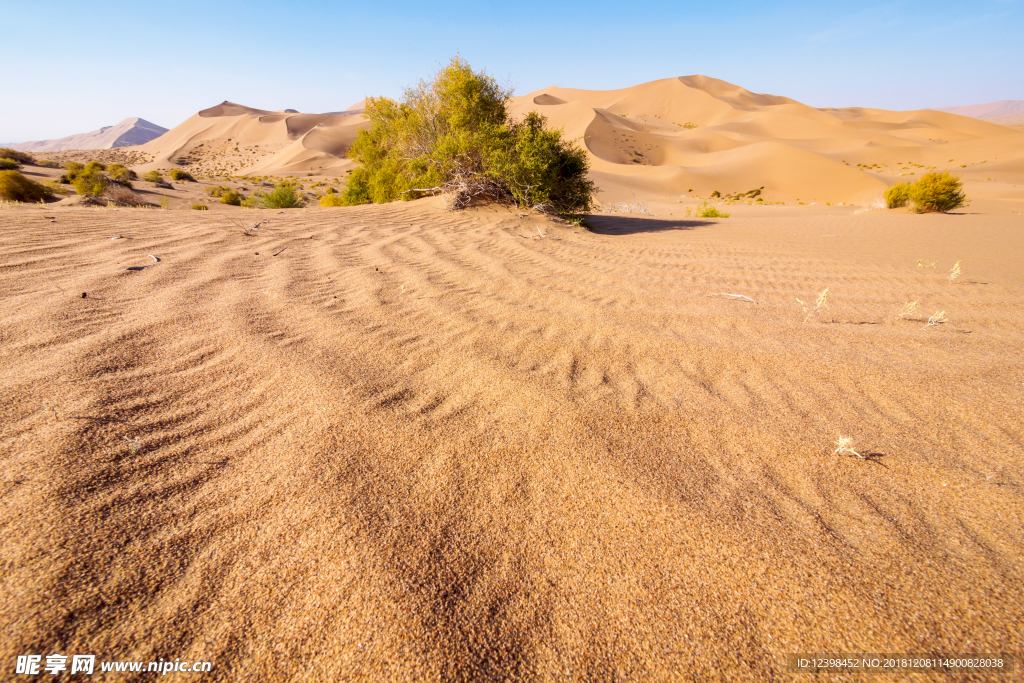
[(736, 296), (938, 318), (819, 303), (844, 446)]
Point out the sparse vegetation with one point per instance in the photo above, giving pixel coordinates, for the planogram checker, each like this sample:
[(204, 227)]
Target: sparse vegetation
[(938, 318), (47, 163), (332, 200), (283, 196), (937, 192), (180, 175), (121, 175), (231, 197), (819, 303), (200, 207), (153, 177), (453, 136), (909, 309), (844, 446), (122, 195), (14, 187), (954, 273), (897, 195), (14, 155), (705, 210), (91, 181), (8, 164)]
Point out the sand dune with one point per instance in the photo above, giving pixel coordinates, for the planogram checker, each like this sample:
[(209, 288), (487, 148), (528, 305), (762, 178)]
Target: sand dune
[(418, 445), (131, 131), (238, 140), (695, 135), (1003, 112)]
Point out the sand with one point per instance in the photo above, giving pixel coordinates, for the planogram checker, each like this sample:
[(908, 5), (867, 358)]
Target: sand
[(394, 443)]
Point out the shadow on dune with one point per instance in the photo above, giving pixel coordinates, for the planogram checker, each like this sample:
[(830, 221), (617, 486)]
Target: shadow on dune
[(629, 225)]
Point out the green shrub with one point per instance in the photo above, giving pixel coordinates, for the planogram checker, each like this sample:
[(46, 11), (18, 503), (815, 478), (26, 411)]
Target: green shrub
[(73, 168), (332, 200), (47, 163), (153, 177), (231, 198), (705, 210), (283, 197), (14, 187), (20, 157), (90, 183), (453, 135), (897, 195), (121, 175), (9, 164), (216, 191), (937, 192), (93, 167), (255, 201), (178, 174), (200, 207)]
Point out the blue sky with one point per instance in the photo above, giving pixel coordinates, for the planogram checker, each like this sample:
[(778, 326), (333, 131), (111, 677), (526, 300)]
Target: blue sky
[(78, 66)]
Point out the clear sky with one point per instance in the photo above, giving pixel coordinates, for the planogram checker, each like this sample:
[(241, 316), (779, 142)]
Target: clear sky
[(76, 66)]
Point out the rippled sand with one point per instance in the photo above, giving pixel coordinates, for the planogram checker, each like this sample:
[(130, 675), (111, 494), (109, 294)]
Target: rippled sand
[(415, 445)]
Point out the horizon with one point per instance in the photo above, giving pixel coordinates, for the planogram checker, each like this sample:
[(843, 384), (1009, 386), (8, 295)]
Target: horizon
[(822, 57)]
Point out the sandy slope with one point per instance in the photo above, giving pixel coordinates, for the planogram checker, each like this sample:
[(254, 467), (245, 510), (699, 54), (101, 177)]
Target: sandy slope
[(420, 446), (239, 140), (695, 135), (131, 131)]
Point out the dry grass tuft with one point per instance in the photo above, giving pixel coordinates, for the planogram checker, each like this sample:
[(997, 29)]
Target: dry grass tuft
[(921, 263), (909, 309), (954, 273), (938, 318), (844, 446), (819, 303)]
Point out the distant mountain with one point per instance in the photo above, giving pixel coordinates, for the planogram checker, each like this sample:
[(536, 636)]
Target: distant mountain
[(132, 131), (1004, 112)]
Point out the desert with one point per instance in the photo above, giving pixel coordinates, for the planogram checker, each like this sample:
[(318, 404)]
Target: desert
[(739, 410)]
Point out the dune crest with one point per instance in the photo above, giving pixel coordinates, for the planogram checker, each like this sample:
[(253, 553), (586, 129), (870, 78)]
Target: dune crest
[(697, 134)]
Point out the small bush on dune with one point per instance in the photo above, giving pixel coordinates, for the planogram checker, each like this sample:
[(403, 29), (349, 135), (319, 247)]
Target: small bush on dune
[(20, 157), (200, 207), (121, 175), (937, 192), (93, 167), (14, 187), (72, 168), (216, 191), (180, 175), (705, 210), (332, 200), (231, 198), (47, 163), (255, 201), (90, 183), (283, 197), (9, 164), (897, 195), (153, 177), (122, 195)]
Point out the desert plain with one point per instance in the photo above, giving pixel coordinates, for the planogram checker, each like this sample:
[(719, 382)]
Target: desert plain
[(395, 442)]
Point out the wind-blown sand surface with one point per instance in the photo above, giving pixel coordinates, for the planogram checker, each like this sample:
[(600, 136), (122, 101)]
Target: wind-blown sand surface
[(420, 446)]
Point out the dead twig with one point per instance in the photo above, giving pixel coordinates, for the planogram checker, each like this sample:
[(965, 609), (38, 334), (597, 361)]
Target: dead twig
[(280, 252), (735, 296)]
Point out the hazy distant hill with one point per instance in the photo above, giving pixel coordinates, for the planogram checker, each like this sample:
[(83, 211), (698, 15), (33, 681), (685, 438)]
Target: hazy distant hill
[(1004, 112), (131, 131)]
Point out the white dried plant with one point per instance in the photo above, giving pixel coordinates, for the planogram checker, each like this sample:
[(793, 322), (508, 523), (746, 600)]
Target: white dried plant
[(909, 309), (921, 263), (954, 273), (844, 446), (937, 319), (819, 303)]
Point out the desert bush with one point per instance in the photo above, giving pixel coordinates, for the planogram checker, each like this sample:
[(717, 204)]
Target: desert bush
[(121, 175), (216, 191), (122, 195), (73, 168), (153, 177), (231, 198), (178, 174), (20, 157), (90, 183), (332, 200), (452, 135), (937, 192), (283, 197), (93, 167), (47, 163), (200, 207), (9, 164), (14, 187), (254, 201), (705, 210), (897, 195)]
